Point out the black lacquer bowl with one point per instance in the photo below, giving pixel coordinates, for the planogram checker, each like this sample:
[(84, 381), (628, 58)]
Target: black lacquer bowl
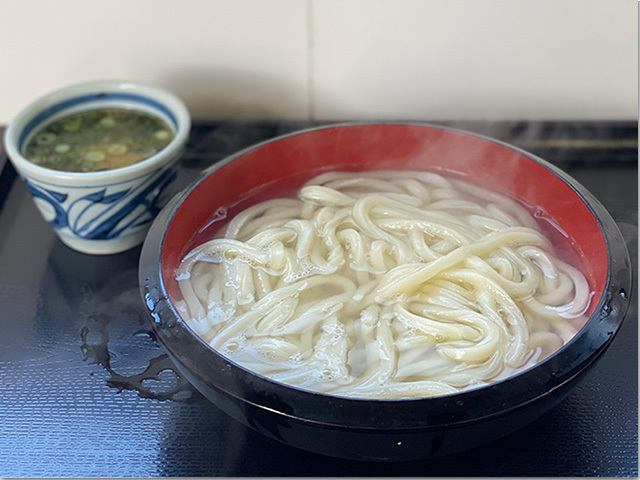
[(392, 430)]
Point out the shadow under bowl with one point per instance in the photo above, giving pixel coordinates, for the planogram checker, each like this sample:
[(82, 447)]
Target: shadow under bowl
[(393, 430)]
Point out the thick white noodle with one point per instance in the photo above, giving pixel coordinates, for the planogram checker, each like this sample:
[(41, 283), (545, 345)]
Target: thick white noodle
[(384, 284)]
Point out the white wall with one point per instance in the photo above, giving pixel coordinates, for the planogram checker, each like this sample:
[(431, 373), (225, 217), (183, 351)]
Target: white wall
[(335, 59)]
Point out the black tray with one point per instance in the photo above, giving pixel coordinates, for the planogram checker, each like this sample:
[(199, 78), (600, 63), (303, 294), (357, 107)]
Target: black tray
[(85, 391)]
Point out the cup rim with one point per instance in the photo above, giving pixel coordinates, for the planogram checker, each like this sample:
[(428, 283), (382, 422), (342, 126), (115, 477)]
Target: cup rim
[(168, 100)]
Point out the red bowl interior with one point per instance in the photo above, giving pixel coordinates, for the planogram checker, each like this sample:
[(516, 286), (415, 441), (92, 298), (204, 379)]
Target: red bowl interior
[(286, 163)]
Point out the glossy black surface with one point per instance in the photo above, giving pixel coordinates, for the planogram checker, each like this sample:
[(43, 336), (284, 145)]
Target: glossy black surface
[(58, 416)]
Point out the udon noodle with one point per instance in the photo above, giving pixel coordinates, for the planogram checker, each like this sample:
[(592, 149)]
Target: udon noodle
[(383, 284)]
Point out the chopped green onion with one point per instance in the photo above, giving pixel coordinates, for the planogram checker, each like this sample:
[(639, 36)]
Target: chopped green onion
[(95, 156), (71, 124), (107, 122), (161, 134), (117, 149), (148, 152), (45, 138), (62, 148)]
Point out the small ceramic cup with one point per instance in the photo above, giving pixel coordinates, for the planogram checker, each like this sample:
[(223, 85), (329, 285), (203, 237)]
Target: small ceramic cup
[(108, 211)]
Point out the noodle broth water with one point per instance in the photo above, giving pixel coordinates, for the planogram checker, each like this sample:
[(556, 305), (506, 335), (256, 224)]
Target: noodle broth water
[(383, 284)]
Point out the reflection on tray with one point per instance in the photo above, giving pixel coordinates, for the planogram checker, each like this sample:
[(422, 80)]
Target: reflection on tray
[(104, 292), (158, 381)]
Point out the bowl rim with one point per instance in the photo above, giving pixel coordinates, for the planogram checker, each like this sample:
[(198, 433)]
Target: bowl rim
[(95, 91), (451, 408)]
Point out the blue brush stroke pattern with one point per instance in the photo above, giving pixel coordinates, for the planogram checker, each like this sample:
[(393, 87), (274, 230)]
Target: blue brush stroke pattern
[(104, 223), (61, 218)]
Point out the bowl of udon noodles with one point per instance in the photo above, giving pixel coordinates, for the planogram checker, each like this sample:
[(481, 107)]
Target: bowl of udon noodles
[(384, 291)]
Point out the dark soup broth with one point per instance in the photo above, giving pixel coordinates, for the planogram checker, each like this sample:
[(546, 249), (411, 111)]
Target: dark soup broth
[(98, 140)]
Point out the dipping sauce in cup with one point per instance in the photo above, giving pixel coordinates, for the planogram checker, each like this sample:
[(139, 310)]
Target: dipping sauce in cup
[(98, 140)]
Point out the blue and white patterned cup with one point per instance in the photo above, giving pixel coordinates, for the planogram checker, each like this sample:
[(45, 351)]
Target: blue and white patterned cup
[(108, 211)]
